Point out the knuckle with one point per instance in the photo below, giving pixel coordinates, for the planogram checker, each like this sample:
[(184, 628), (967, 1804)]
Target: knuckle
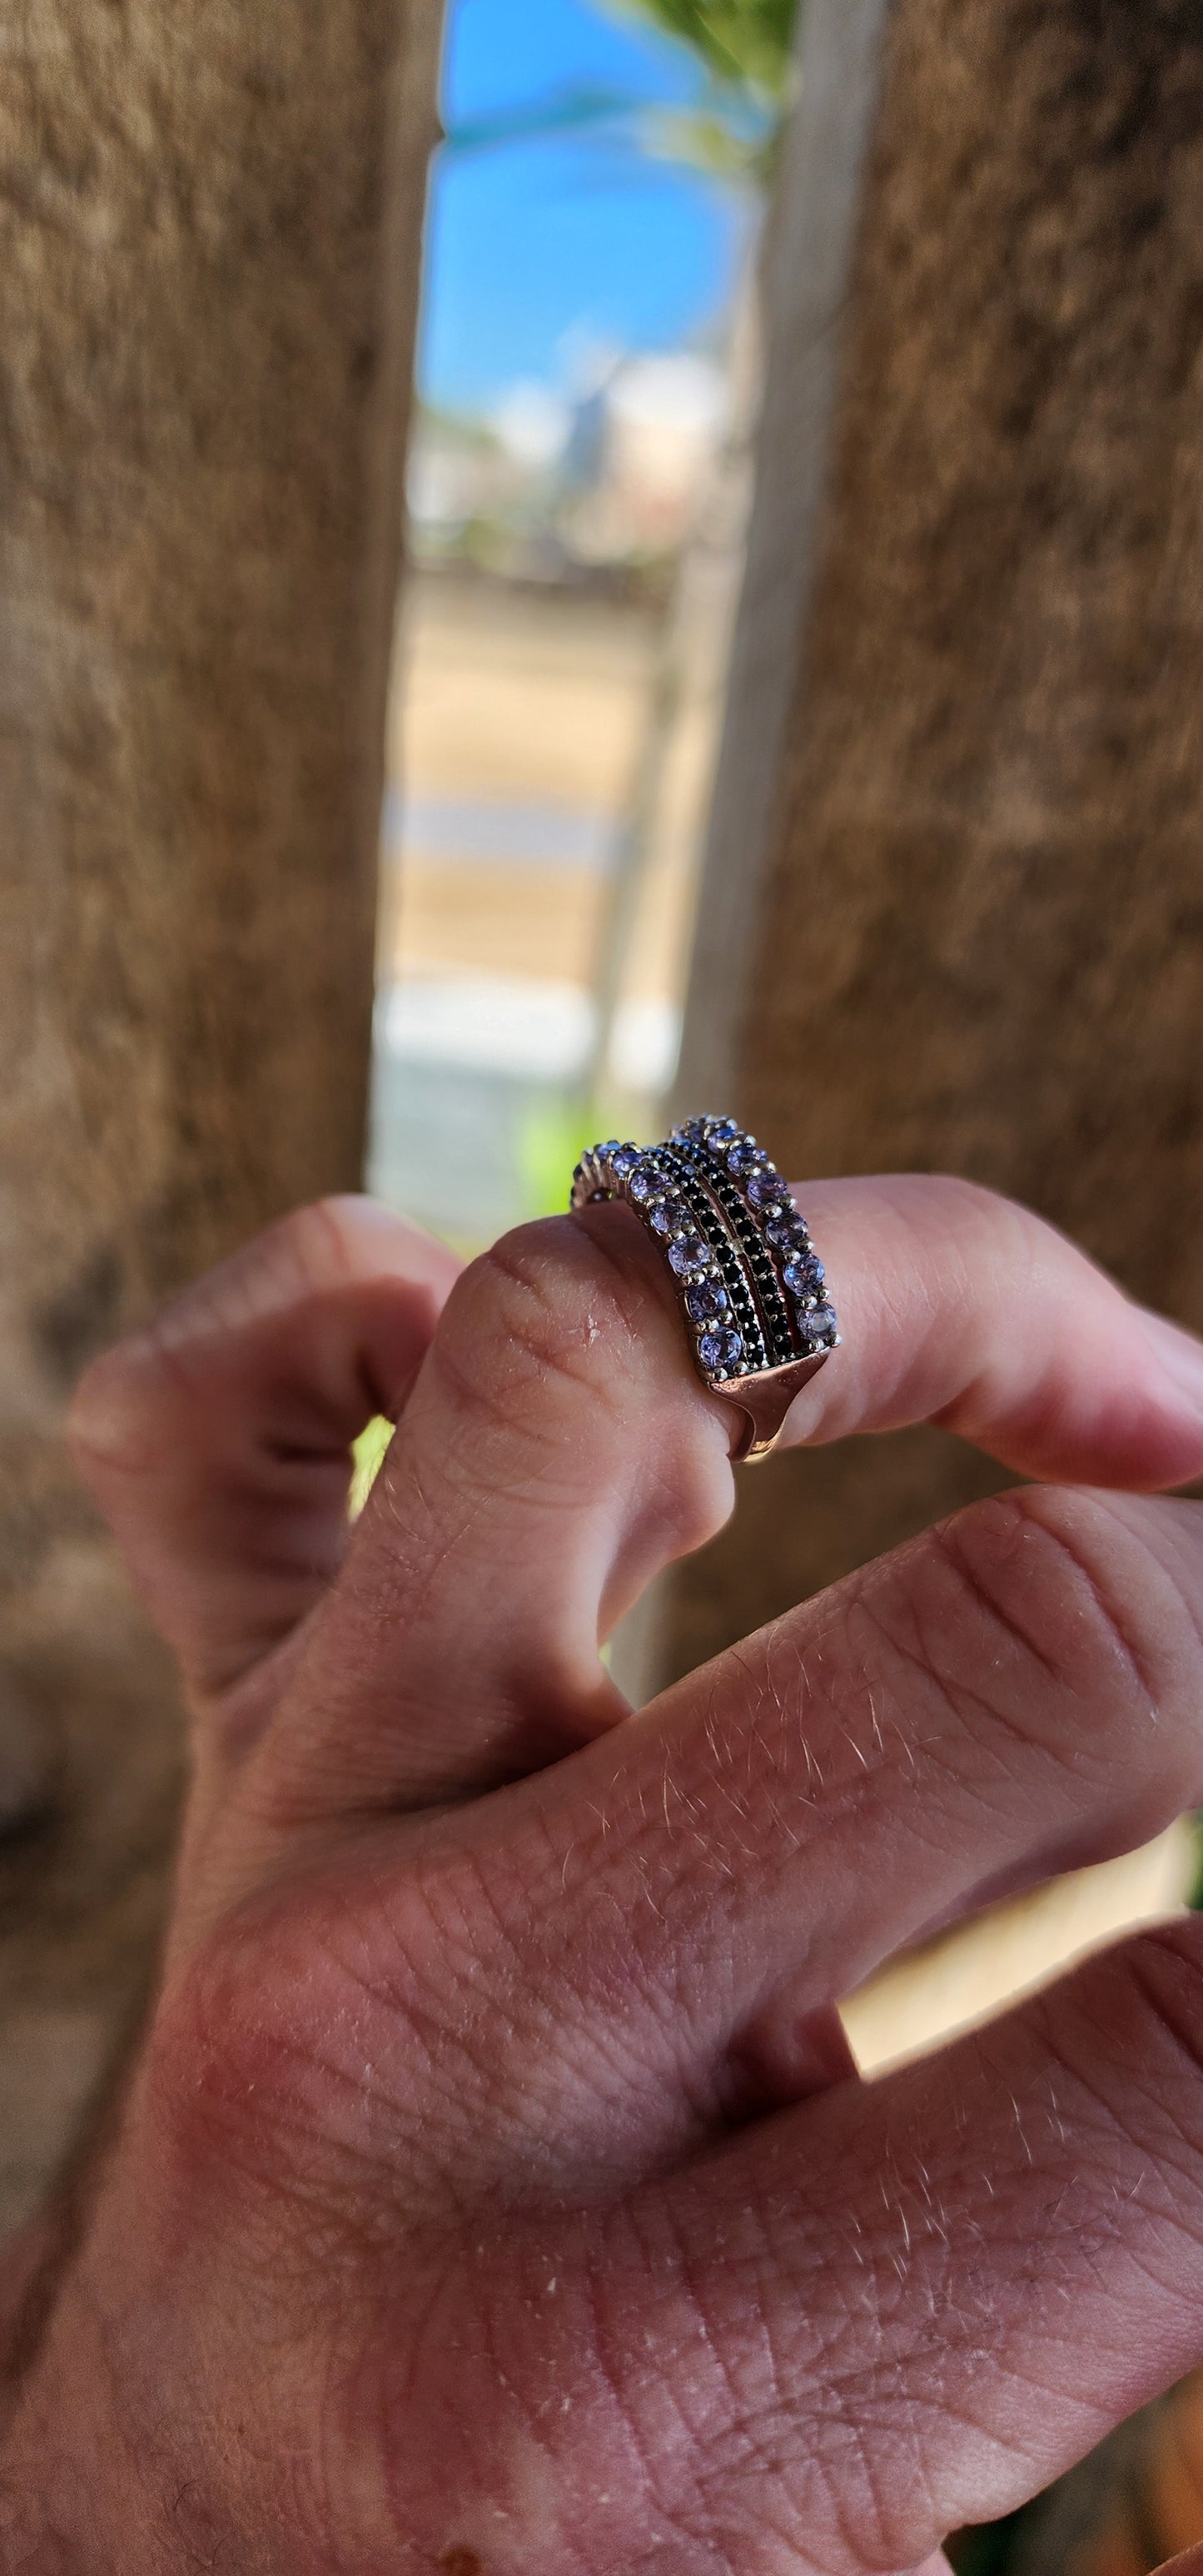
[(120, 1413), (1095, 1584), (1031, 1586), (566, 1375), (113, 1415), (338, 1240), (1165, 1968), (536, 1313), (1068, 1606), (975, 1218), (263, 2027), (311, 1249), (984, 1234)]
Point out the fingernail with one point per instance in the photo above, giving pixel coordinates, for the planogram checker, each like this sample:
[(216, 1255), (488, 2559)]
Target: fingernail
[(1180, 1355)]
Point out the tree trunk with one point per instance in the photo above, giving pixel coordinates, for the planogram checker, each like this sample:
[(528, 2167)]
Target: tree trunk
[(210, 219), (975, 916)]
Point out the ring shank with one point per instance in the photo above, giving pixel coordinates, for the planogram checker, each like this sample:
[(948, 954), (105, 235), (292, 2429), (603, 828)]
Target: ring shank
[(764, 1400)]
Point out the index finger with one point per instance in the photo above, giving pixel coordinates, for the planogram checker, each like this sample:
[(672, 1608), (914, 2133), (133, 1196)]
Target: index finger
[(962, 1308)]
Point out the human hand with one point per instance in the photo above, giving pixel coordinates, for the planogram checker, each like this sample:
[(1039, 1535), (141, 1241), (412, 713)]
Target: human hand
[(492, 2193)]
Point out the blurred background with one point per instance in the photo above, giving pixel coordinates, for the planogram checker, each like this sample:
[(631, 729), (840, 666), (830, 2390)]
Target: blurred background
[(578, 486)]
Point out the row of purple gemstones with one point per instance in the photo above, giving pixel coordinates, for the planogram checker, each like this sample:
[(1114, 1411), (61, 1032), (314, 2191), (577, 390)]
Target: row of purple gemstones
[(720, 1348), (761, 1187)]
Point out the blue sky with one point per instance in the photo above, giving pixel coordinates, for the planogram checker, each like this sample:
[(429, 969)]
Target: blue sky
[(540, 243)]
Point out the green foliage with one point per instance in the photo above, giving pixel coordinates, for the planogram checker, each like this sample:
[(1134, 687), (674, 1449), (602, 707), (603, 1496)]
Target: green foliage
[(368, 1457), (985, 2550), (738, 40), (1195, 1898), (552, 1137), (720, 145)]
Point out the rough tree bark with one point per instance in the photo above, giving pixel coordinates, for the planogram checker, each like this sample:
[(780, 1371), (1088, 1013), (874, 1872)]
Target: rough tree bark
[(209, 220), (976, 934)]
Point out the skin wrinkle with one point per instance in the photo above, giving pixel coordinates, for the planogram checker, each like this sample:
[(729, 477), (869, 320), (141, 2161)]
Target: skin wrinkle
[(1127, 1646), (1182, 1603), (557, 1349), (950, 1537), (663, 1783), (292, 1257), (611, 2378), (630, 1302), (953, 1695), (738, 2423), (960, 1695), (736, 1799), (624, 2049), (1182, 2041), (698, 2421), (941, 2235)]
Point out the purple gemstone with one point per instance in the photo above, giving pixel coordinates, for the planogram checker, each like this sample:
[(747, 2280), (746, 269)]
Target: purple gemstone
[(803, 1274), (666, 1216), (788, 1234), (710, 1299), (720, 1352), (722, 1131), (689, 1255), (767, 1189), (691, 1131), (645, 1181), (745, 1157), (817, 1321), (623, 1160)]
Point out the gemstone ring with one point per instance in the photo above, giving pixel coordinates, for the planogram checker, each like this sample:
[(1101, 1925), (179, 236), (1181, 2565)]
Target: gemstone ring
[(750, 1283)]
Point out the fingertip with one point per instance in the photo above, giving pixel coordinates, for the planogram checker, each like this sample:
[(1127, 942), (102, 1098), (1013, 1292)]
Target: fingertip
[(1179, 1359), (965, 1310)]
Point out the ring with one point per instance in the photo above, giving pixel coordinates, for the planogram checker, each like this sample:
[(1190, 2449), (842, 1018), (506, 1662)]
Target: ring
[(750, 1283)]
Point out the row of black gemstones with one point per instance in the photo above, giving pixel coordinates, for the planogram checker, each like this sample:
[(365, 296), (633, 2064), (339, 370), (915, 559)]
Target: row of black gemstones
[(731, 1337)]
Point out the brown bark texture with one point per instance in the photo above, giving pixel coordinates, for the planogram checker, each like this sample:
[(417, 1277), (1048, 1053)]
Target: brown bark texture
[(980, 939), (209, 227)]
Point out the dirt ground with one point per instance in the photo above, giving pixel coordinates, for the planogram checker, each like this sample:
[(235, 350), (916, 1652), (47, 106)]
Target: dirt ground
[(514, 703)]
